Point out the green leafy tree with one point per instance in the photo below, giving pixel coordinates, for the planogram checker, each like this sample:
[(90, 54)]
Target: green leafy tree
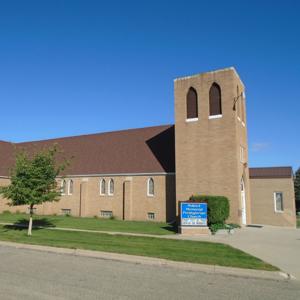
[(33, 180), (297, 188)]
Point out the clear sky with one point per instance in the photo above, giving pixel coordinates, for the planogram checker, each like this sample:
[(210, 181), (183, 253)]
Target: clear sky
[(77, 67)]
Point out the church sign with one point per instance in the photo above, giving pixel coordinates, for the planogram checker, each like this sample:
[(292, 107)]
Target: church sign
[(193, 214)]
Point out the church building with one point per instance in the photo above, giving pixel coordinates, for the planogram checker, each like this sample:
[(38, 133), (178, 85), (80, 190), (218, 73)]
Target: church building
[(142, 174)]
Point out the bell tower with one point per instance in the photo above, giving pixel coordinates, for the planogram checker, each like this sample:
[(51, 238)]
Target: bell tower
[(211, 149)]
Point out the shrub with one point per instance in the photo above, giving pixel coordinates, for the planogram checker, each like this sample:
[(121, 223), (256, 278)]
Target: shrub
[(229, 227), (215, 227), (233, 225), (217, 208)]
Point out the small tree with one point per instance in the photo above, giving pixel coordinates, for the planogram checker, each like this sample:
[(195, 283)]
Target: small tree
[(33, 180), (297, 188)]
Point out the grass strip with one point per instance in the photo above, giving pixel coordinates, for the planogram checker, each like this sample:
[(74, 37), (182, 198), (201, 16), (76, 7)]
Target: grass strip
[(91, 224), (176, 250)]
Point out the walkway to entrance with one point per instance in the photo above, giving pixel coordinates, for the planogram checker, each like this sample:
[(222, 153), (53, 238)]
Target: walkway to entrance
[(278, 246)]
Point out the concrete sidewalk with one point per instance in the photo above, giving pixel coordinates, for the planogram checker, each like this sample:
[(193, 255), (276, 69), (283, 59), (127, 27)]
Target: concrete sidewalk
[(278, 246), (152, 261)]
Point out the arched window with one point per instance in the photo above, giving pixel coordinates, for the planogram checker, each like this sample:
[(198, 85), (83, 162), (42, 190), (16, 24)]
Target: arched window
[(63, 187), (191, 104), (150, 187), (102, 187), (215, 102), (70, 188), (111, 187)]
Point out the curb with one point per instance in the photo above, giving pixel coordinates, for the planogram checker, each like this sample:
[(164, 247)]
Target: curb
[(152, 261)]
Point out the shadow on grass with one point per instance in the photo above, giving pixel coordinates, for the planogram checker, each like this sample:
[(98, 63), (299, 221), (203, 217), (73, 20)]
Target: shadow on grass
[(172, 227), (22, 224)]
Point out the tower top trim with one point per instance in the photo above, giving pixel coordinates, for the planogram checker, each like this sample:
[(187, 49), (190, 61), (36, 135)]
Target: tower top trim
[(210, 72)]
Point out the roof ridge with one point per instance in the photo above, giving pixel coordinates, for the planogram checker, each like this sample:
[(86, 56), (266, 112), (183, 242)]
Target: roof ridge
[(91, 134)]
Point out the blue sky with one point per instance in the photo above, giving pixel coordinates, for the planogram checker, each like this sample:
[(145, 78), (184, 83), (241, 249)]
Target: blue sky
[(77, 67)]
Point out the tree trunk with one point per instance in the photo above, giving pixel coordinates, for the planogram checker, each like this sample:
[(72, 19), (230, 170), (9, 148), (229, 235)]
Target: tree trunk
[(30, 220)]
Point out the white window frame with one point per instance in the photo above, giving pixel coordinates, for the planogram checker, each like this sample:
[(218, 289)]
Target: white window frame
[(100, 187), (69, 187), (148, 187), (192, 120), (215, 117), (275, 202), (63, 187), (109, 191)]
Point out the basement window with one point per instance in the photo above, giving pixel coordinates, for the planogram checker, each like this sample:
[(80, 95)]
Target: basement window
[(106, 214), (66, 211), (151, 216)]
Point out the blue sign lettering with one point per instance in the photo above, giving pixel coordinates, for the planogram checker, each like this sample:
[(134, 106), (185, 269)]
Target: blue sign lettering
[(194, 214)]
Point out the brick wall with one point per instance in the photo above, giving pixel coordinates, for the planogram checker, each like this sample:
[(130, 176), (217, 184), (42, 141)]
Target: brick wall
[(208, 150), (263, 209), (87, 201)]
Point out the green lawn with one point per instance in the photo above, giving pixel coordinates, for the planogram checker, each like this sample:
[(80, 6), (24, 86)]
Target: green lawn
[(177, 250), (298, 221), (91, 224)]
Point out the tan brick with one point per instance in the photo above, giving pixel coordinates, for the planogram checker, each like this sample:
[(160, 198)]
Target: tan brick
[(86, 200), (262, 202), (208, 150)]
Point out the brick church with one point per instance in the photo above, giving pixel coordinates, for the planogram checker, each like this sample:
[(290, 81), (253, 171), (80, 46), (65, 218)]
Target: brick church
[(142, 174)]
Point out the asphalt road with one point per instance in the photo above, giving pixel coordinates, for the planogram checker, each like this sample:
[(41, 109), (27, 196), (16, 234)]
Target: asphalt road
[(30, 274)]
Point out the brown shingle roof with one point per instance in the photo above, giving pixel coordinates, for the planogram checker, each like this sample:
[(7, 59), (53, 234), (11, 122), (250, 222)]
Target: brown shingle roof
[(143, 150), (271, 172), (6, 157)]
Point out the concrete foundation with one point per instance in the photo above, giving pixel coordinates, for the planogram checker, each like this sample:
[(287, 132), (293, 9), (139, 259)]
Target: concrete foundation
[(193, 230)]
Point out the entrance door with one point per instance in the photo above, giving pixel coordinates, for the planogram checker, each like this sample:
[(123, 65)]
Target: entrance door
[(243, 203)]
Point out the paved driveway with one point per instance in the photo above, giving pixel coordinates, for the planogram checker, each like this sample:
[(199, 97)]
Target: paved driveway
[(276, 245)]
